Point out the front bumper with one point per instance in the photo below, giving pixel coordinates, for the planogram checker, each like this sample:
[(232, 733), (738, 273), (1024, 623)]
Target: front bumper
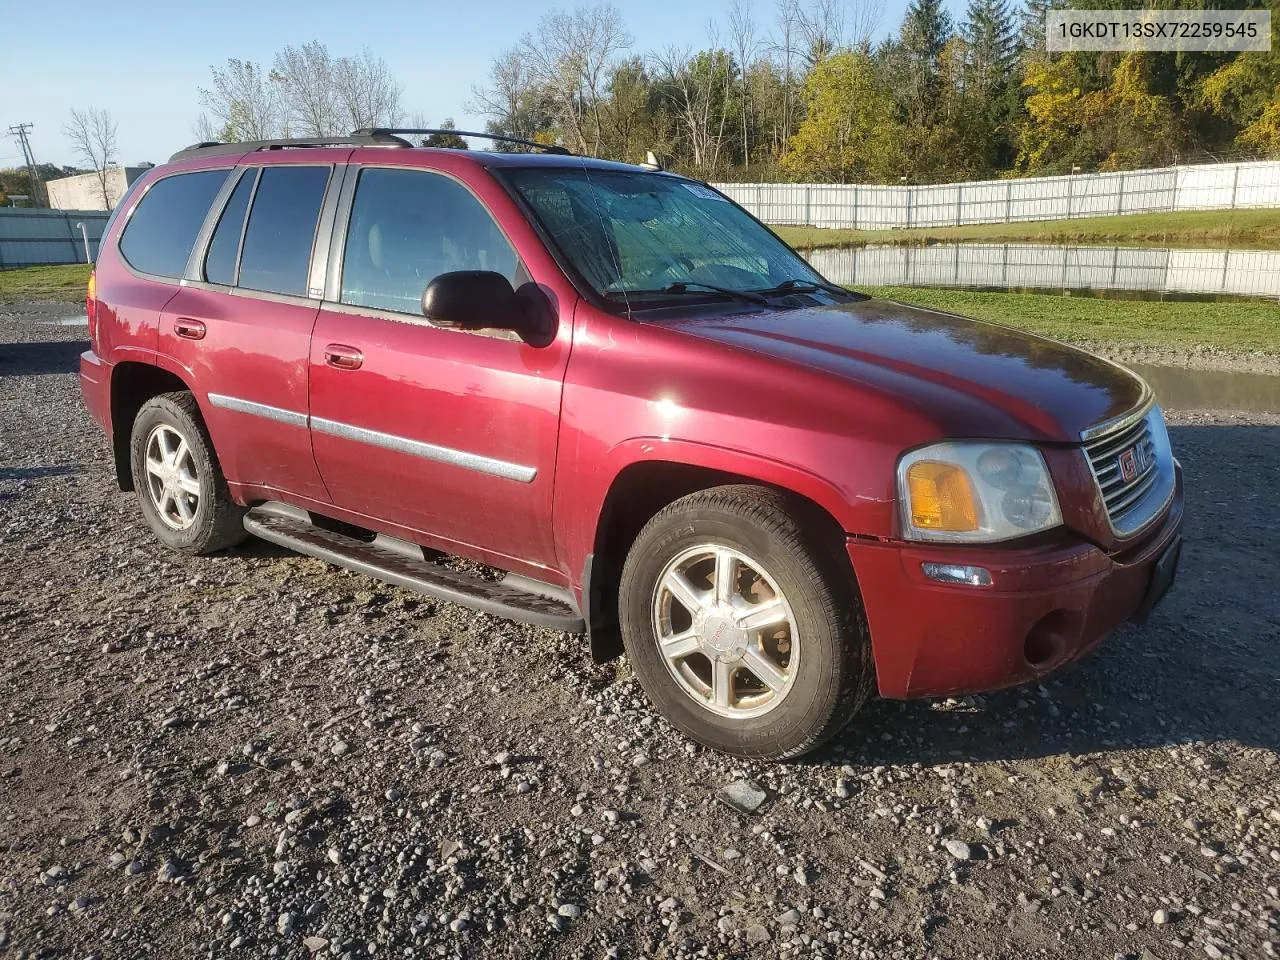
[(1045, 607)]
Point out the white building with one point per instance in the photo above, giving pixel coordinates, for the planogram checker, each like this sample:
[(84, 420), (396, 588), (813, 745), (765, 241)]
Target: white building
[(84, 191)]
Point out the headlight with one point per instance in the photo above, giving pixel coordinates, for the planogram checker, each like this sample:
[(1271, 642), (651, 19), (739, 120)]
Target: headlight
[(971, 492)]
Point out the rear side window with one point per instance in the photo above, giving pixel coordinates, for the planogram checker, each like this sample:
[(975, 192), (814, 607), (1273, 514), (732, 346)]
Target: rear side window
[(282, 229), (162, 228), (409, 226), (220, 261)]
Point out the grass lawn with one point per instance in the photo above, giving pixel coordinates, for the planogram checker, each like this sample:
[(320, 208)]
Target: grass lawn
[(1233, 326), (58, 282), (1246, 229)]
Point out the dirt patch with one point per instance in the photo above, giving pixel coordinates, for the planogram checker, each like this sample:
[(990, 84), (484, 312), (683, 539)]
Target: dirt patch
[(1202, 358)]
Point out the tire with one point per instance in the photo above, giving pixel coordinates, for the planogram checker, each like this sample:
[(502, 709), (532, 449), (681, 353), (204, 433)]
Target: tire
[(193, 511), (780, 557)]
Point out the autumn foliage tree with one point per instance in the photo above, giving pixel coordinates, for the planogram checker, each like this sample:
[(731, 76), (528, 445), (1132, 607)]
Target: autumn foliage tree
[(848, 131)]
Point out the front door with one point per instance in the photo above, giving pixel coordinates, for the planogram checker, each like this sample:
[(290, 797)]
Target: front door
[(446, 432)]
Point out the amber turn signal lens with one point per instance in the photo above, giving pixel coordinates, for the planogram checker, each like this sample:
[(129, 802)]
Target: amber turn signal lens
[(942, 497)]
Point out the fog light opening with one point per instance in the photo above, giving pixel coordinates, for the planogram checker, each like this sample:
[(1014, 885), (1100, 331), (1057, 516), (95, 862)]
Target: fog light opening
[(1044, 643), (957, 573)]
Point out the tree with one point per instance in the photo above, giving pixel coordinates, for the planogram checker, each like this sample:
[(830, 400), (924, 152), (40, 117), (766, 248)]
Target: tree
[(514, 103), (450, 140), (696, 85), (306, 77), (925, 32), (989, 100), (307, 93), (1134, 126), (367, 94), (848, 131), (569, 55), (742, 30), (1245, 92), (1055, 108), (243, 102), (92, 133), (1120, 125), (1031, 27), (821, 26)]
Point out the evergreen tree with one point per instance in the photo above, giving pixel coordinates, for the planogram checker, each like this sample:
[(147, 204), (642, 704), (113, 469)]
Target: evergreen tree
[(991, 98), (1031, 34), (991, 45), (925, 32)]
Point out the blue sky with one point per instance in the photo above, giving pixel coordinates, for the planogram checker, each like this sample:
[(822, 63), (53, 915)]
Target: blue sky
[(144, 61)]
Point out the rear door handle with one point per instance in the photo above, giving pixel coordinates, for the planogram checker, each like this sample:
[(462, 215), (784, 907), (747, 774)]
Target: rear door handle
[(342, 357), (189, 329)]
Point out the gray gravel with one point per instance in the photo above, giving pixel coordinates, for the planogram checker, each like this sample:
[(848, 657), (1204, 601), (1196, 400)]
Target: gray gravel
[(259, 755)]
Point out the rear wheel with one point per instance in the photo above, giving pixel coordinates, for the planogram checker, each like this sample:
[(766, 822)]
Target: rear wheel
[(181, 490), (743, 623)]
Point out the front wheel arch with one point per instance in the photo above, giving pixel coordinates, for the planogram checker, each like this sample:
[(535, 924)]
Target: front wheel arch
[(634, 497)]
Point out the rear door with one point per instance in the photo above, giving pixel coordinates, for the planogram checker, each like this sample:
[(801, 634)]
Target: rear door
[(241, 324), (446, 432)]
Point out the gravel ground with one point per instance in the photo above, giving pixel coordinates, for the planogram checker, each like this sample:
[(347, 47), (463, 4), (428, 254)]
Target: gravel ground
[(259, 755)]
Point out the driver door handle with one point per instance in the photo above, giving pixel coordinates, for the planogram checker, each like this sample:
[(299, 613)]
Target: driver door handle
[(189, 329), (341, 357)]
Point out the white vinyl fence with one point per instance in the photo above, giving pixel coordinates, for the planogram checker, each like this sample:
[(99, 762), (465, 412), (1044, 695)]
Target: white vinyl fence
[(1249, 273), (874, 207)]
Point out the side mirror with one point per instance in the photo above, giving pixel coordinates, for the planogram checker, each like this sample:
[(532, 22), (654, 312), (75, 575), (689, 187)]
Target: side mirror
[(474, 300)]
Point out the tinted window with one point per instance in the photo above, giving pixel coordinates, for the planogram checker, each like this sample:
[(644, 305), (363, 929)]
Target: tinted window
[(220, 261), (282, 228), (407, 227), (162, 228)]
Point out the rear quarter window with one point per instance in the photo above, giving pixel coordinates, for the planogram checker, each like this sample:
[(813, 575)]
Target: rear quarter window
[(162, 228)]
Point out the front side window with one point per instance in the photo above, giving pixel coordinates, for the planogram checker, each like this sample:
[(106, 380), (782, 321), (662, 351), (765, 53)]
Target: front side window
[(162, 229), (407, 227), (637, 235), (276, 254), (220, 261)]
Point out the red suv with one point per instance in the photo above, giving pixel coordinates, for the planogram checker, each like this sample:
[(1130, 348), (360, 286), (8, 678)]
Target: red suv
[(617, 388)]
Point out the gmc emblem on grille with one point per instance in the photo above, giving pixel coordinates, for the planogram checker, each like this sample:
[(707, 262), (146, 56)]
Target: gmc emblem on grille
[(1132, 462)]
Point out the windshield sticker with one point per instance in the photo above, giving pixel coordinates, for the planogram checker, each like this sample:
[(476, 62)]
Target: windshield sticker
[(703, 193)]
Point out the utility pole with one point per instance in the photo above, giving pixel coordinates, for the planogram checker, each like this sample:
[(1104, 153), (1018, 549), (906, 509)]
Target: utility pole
[(20, 131)]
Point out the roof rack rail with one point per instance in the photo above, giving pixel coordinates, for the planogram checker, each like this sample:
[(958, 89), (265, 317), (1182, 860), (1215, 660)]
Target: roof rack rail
[(361, 138), (444, 131)]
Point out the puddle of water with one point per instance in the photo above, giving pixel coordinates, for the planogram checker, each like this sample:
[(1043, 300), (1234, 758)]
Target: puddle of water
[(1166, 273), (80, 321), (1178, 388)]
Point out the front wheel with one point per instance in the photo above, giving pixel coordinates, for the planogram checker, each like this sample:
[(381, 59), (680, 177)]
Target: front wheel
[(743, 623), (180, 486)]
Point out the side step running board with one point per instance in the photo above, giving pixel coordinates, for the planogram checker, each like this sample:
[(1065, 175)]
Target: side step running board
[(401, 563)]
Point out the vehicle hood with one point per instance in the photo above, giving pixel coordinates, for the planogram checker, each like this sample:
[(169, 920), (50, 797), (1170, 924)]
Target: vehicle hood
[(972, 378)]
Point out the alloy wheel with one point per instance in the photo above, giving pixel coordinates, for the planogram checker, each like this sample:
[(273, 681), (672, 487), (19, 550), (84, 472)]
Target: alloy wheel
[(725, 631)]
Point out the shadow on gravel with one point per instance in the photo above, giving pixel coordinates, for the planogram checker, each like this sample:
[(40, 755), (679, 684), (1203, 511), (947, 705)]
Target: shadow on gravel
[(40, 358), (1205, 667), (35, 473)]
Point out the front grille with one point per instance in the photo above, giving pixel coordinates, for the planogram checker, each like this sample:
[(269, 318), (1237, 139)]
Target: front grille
[(1134, 500)]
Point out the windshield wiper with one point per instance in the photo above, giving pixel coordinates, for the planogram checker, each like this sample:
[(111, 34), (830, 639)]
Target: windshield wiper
[(808, 286), (683, 286)]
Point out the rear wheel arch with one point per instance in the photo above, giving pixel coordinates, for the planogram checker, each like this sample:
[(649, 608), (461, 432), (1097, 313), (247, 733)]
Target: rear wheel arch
[(132, 385), (638, 492)]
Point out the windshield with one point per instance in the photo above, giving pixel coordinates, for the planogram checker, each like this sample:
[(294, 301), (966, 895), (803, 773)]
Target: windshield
[(638, 235)]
